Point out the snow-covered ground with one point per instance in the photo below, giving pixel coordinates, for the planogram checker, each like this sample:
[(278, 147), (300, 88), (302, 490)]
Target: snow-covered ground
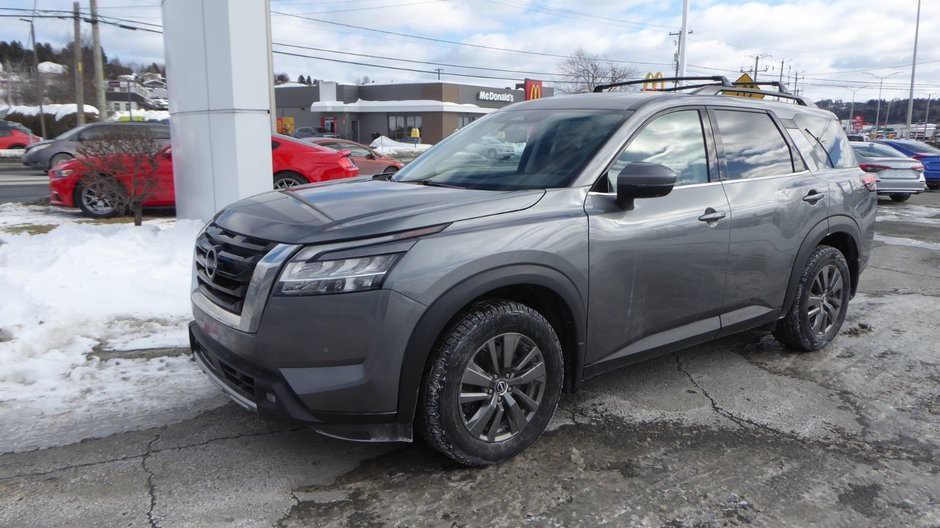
[(58, 110), (78, 289), (397, 149)]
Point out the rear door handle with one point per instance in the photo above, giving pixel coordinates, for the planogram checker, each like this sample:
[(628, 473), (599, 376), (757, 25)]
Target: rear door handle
[(711, 216), (813, 196)]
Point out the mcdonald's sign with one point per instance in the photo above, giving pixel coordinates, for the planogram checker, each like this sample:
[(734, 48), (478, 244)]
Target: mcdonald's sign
[(653, 82), (533, 89)]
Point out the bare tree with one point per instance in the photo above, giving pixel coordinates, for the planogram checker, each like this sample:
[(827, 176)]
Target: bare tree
[(582, 71), (120, 170)]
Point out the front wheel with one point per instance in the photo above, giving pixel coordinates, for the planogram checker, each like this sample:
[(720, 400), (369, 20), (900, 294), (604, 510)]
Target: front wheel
[(899, 197), (59, 158), (493, 383), (100, 198), (822, 299), (285, 180)]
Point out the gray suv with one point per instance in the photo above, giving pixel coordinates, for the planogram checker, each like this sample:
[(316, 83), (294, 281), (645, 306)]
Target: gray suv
[(461, 296), (44, 155)]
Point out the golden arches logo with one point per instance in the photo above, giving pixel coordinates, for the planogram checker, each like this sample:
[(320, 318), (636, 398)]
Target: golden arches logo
[(535, 91), (653, 82)]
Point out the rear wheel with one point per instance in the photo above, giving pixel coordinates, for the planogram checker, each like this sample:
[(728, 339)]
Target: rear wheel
[(287, 179), (390, 170), (900, 197), (493, 383), (822, 298)]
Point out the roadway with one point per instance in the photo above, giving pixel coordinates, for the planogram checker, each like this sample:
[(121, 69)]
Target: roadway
[(20, 184)]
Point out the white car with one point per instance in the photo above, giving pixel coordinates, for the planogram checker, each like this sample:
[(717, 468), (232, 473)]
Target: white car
[(898, 176), (492, 148)]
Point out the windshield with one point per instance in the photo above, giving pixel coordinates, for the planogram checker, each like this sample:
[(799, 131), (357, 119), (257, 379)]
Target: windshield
[(522, 149), (874, 150), (70, 133)]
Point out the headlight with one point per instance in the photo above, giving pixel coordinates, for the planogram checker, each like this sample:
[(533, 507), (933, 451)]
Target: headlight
[(303, 276), (63, 173)]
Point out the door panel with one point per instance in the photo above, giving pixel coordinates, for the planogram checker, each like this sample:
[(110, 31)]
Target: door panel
[(657, 272)]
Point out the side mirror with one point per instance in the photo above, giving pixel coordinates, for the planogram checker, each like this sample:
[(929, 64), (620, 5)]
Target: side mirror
[(642, 179)]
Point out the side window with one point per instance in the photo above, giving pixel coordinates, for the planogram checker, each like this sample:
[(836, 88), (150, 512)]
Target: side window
[(5, 132), (676, 140), (753, 146), (813, 154), (828, 140), (355, 150)]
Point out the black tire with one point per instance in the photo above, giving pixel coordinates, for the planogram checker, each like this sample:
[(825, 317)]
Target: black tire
[(933, 186), (814, 320), (900, 197), (17, 147), (93, 198), (390, 170), (59, 158), (287, 179), (443, 418)]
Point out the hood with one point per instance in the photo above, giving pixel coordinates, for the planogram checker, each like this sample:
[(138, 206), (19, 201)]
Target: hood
[(361, 208)]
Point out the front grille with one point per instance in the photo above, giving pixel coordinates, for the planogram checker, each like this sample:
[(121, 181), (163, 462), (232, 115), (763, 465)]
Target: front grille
[(235, 259), (240, 381)]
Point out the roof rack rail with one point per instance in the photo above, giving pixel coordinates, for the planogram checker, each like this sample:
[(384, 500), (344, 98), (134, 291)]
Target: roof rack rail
[(714, 78), (739, 89)]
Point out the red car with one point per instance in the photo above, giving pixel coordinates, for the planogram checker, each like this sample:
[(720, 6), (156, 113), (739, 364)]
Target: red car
[(295, 162), (368, 160), (15, 136)]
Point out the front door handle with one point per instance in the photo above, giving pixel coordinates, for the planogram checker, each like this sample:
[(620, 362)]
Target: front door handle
[(813, 196), (711, 216)]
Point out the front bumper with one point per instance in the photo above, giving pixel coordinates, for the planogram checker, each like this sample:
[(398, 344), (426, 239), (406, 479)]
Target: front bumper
[(330, 361)]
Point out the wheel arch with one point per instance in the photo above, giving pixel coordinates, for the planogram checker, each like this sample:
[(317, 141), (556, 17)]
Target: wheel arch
[(840, 232), (544, 289)]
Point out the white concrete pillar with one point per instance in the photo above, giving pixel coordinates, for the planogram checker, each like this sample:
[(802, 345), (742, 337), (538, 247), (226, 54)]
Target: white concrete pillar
[(217, 65)]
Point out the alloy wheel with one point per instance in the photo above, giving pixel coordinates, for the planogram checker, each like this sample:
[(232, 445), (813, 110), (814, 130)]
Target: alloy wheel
[(286, 183), (825, 299), (98, 201), (502, 387)]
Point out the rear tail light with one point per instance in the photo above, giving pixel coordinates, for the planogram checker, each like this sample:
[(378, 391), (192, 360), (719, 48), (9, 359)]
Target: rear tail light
[(346, 163), (918, 156), (871, 167), (918, 168), (869, 181)]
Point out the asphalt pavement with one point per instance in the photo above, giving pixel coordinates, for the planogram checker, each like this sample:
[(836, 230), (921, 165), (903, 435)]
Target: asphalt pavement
[(21, 184), (737, 431)]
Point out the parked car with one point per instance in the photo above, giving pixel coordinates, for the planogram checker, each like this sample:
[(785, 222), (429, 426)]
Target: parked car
[(367, 159), (295, 163), (459, 299), (15, 136), (308, 132), (927, 155), (898, 176), (44, 155), (491, 148)]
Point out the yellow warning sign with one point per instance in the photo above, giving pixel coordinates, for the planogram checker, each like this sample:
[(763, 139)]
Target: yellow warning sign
[(745, 81)]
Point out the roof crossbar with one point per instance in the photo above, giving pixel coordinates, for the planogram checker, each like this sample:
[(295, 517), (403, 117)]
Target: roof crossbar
[(715, 90), (714, 78)]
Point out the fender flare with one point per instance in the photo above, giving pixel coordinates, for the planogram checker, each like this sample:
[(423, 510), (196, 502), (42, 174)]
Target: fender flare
[(447, 306), (829, 226)]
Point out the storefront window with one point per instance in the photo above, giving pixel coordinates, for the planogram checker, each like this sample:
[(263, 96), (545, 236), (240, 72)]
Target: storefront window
[(463, 121), (399, 126)]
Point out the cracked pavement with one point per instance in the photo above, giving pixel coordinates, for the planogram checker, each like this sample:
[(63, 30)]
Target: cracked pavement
[(737, 431)]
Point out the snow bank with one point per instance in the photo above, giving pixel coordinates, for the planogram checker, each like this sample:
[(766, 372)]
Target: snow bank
[(11, 153), (389, 147), (83, 286), (58, 110), (142, 115)]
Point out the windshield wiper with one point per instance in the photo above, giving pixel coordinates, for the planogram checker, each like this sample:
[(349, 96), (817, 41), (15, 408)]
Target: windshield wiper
[(430, 183)]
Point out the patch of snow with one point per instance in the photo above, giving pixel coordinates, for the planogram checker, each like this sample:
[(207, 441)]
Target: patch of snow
[(58, 110), (84, 286), (52, 67), (389, 147), (144, 115), (408, 105), (910, 242), (291, 85)]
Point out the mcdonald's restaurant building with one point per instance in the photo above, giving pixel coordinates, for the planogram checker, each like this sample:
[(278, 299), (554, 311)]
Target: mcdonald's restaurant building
[(364, 112)]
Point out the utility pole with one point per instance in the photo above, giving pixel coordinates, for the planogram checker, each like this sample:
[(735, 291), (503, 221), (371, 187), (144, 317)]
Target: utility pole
[(781, 71), (77, 67), (926, 117), (100, 99), (910, 99), (683, 36), (438, 70), (9, 74), (39, 83), (881, 81)]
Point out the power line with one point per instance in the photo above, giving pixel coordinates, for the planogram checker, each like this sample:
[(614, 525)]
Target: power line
[(568, 14)]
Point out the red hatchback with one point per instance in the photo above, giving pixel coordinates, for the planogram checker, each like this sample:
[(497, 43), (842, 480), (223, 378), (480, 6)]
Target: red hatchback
[(295, 163), (15, 136)]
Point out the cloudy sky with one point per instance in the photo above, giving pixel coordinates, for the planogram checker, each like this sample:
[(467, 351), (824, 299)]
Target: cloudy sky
[(840, 46)]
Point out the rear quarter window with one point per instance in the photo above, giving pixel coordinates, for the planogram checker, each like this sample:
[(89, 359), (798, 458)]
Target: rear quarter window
[(827, 136)]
